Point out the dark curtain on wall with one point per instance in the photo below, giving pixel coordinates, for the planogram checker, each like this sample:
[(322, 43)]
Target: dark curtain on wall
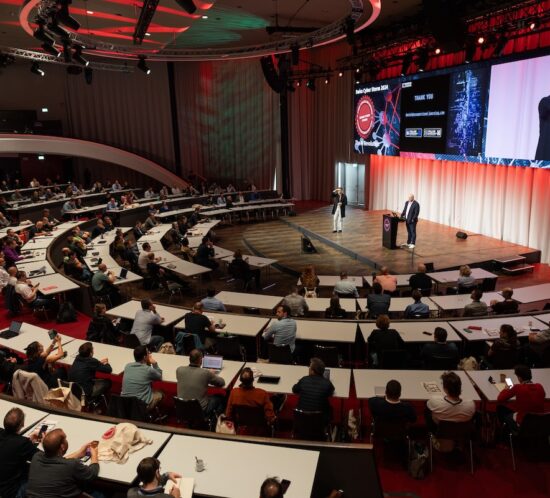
[(126, 110), (229, 123)]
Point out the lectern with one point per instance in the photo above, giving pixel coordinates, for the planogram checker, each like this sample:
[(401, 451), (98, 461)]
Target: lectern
[(389, 231)]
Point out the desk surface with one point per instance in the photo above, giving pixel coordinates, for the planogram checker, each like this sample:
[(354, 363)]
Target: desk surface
[(169, 363), (490, 392), (224, 463), (118, 356), (402, 279), (128, 310), (54, 284), (490, 326), (253, 261), (412, 331), (544, 318), (310, 330), (532, 293), (249, 300), (320, 304), (291, 374), (248, 326), (35, 265), (411, 383), (451, 276), (32, 416), (30, 333), (80, 432), (38, 243), (33, 255), (458, 301), (184, 268), (330, 280)]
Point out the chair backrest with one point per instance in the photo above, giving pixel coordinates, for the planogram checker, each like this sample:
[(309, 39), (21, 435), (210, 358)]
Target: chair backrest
[(504, 358), (250, 420), (441, 362), (189, 413), (456, 431), (12, 301), (131, 341), (426, 292), (397, 359), (251, 311), (280, 354), (229, 347), (535, 426), (466, 289), (329, 355), (127, 407), (309, 425), (391, 430), (488, 284)]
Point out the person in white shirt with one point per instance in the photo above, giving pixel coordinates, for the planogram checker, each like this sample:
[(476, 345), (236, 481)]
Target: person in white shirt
[(176, 191), (149, 193), (4, 275), (220, 201), (345, 287), (116, 186)]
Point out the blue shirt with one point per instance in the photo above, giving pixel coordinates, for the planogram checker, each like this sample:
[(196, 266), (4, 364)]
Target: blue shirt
[(416, 309), (212, 304), (283, 332)]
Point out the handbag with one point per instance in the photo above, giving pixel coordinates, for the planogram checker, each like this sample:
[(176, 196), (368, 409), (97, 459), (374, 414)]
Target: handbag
[(62, 397), (225, 426)]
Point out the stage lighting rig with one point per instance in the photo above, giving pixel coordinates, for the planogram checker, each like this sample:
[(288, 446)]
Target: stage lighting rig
[(35, 69), (77, 56), (142, 65), (145, 17), (406, 63), (64, 17), (187, 5)]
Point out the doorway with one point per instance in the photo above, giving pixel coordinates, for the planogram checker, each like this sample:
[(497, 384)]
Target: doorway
[(351, 177)]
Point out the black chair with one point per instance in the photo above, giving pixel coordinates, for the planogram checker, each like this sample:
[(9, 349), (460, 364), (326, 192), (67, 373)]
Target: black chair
[(488, 284), (534, 433), (189, 413), (458, 432), (391, 432), (466, 290), (280, 354), (250, 421), (504, 358), (309, 426), (12, 301), (429, 267), (441, 362), (394, 359), (185, 343), (130, 340), (251, 311), (128, 407), (230, 348), (329, 355)]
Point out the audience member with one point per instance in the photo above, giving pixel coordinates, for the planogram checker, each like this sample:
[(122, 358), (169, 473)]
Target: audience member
[(152, 482), (205, 254), (99, 229), (378, 303), (335, 311), (418, 308), (538, 345), (506, 307), (138, 230), (200, 325), (420, 280), (390, 407), (387, 281), (11, 255), (506, 342), (477, 307), (345, 287), (240, 269), (145, 320), (383, 339), (465, 278), (314, 390), (283, 330), (296, 302), (103, 284), (211, 303), (439, 349), (41, 361), (83, 372), (29, 292), (101, 328)]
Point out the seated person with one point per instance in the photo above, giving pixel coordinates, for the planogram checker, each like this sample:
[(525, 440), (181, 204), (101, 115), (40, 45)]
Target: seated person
[(420, 280), (240, 268), (75, 268), (506, 342), (41, 361), (283, 330), (101, 328), (99, 229), (387, 281), (390, 407), (296, 302), (205, 254), (314, 390), (187, 252), (103, 284), (506, 307), (36, 230), (529, 398), (193, 382), (539, 342), (383, 339), (200, 325), (335, 310), (345, 286), (145, 320), (143, 258), (440, 348), (418, 308), (83, 371), (29, 293), (152, 483), (248, 395), (465, 278), (477, 307), (211, 303), (378, 303)]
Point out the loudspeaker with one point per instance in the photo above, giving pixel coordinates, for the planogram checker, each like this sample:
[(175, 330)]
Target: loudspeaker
[(461, 235), (307, 245), (270, 73)]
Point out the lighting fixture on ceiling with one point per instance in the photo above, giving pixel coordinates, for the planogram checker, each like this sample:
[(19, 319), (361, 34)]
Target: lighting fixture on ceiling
[(50, 49), (422, 57), (77, 56), (35, 69), (41, 34), (187, 5), (406, 63), (64, 17), (142, 65), (311, 84)]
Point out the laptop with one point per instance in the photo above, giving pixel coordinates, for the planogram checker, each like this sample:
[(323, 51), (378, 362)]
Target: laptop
[(269, 379), (39, 271), (213, 362), (123, 273), (13, 331)]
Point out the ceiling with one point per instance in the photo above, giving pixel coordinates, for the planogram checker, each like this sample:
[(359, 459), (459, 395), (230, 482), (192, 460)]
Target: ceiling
[(218, 29)]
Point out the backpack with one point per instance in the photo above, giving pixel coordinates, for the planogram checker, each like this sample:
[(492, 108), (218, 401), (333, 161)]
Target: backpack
[(167, 348), (418, 461), (66, 313)]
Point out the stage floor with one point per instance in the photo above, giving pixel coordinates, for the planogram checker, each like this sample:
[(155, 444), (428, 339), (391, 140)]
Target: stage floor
[(359, 246)]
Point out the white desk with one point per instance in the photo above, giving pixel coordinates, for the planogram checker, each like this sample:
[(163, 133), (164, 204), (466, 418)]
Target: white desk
[(36, 265), (458, 301), (80, 432), (38, 243), (451, 276), (253, 261), (320, 304), (491, 326), (330, 280), (411, 383), (221, 253), (32, 416), (249, 300), (402, 279), (169, 363), (184, 268), (412, 331), (333, 331), (128, 310), (30, 333), (118, 356), (532, 293), (54, 284), (481, 380), (544, 318), (224, 462), (399, 304), (33, 255), (248, 326), (291, 374)]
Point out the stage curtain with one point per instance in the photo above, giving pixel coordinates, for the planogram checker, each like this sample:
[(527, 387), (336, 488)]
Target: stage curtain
[(229, 122), (126, 110), (506, 202)]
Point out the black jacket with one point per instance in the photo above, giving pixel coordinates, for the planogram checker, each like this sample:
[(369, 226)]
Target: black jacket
[(413, 212), (339, 199)]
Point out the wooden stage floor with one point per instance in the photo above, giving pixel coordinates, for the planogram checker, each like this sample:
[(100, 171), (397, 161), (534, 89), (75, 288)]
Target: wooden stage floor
[(359, 247)]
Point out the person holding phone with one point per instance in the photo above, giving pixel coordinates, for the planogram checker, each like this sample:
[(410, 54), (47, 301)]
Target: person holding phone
[(29, 292), (529, 398), (41, 361)]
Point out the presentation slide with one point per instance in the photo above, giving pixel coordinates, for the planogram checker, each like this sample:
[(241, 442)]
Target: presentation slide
[(424, 105), (518, 118), (377, 118)]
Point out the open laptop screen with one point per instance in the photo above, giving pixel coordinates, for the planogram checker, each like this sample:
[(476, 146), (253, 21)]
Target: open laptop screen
[(213, 362)]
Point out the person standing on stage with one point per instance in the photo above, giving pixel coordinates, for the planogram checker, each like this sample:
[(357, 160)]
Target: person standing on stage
[(339, 202), (410, 214)]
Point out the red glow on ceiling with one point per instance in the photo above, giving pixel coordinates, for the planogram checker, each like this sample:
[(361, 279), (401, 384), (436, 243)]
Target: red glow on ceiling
[(11, 2), (106, 34), (152, 29), (160, 8), (204, 5), (10, 23), (102, 15)]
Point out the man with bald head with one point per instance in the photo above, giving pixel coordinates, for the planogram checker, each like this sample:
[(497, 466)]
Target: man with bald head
[(410, 215), (54, 475)]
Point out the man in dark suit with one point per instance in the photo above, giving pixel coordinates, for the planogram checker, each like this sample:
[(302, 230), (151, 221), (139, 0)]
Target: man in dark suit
[(410, 215), (339, 202)]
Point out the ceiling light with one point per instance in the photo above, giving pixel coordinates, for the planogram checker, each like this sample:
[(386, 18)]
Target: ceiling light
[(147, 34), (533, 25), (205, 17), (326, 81), (44, 109), (437, 51), (298, 83), (481, 40), (187, 5), (41, 157), (142, 65), (340, 74), (77, 56), (311, 84), (65, 18), (55, 28), (35, 69), (91, 12), (357, 70), (50, 49)]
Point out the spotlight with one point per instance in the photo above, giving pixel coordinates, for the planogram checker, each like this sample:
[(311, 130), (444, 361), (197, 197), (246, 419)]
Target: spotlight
[(437, 51), (500, 45), (143, 66), (77, 56), (357, 70), (422, 57), (533, 25), (65, 18), (311, 84), (298, 83), (88, 75), (187, 5), (41, 34), (50, 49), (67, 51), (407, 59), (327, 81), (349, 28), (481, 40), (41, 157), (295, 53), (35, 69), (340, 74)]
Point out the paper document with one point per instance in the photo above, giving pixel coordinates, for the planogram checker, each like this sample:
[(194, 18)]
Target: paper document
[(431, 387), (185, 484)]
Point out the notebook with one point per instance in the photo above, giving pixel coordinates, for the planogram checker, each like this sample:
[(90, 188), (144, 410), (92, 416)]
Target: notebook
[(185, 485), (269, 379), (213, 362), (13, 331)]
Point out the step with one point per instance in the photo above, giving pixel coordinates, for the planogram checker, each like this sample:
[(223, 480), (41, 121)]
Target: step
[(511, 259), (516, 269)]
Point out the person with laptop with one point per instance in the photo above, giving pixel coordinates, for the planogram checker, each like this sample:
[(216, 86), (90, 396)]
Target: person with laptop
[(145, 320), (193, 382), (103, 284)]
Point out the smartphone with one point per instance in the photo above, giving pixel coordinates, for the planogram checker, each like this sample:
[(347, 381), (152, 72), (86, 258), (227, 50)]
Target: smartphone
[(52, 334), (326, 373), (427, 333), (65, 354), (285, 483), (42, 431), (509, 382), (491, 380)]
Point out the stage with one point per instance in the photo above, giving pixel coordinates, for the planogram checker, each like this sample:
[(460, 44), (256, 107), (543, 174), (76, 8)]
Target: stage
[(358, 249)]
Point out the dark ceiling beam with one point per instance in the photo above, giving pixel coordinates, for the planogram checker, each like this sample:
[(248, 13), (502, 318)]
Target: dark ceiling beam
[(145, 17)]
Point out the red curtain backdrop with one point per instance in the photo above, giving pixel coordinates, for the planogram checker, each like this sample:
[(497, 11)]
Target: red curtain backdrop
[(506, 202)]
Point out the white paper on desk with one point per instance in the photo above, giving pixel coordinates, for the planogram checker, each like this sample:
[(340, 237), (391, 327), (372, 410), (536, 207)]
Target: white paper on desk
[(431, 387), (492, 332), (380, 391), (500, 386), (185, 484)]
